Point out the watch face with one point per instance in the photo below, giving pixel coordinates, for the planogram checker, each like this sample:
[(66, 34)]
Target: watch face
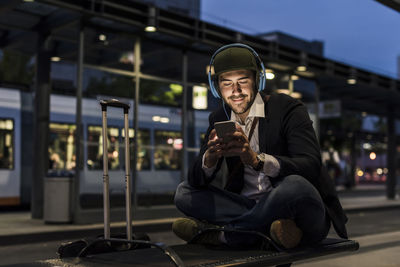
[(261, 157)]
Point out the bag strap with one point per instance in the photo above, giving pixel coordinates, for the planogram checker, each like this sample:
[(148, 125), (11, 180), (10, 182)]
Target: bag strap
[(253, 126)]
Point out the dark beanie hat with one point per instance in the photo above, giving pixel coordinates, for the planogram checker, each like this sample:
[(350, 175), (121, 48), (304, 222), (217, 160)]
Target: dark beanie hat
[(234, 58)]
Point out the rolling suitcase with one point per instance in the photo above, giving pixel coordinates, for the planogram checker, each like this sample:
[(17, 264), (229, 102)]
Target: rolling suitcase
[(111, 243)]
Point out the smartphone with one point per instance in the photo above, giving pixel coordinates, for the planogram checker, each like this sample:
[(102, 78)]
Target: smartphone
[(224, 127)]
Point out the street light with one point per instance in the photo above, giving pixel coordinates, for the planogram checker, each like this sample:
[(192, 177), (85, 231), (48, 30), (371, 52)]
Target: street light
[(102, 37), (55, 59), (372, 155), (352, 79), (152, 20), (303, 62), (269, 74)]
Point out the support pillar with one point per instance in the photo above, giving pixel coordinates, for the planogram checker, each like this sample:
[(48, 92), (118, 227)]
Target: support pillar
[(351, 182), (317, 101), (184, 122), (391, 156), (75, 200), (137, 53), (40, 161)]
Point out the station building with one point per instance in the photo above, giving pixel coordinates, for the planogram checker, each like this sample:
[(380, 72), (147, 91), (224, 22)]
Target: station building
[(60, 57)]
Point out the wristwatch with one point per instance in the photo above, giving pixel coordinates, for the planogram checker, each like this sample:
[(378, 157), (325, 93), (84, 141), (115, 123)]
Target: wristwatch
[(260, 162)]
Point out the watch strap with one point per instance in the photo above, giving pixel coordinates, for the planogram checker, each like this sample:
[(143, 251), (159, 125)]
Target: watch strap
[(260, 164)]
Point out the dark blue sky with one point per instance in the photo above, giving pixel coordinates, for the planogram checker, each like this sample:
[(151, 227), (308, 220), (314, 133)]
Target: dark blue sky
[(362, 33)]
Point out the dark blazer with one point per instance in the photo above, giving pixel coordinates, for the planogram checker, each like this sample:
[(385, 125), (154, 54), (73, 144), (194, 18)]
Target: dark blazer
[(286, 132)]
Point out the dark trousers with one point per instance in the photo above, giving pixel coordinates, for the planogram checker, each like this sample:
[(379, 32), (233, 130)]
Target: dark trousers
[(293, 197)]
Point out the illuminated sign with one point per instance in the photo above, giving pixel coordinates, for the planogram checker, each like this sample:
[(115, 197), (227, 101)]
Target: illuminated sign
[(199, 97)]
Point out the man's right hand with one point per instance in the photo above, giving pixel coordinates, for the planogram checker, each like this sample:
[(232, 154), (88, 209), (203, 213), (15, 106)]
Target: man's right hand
[(214, 150)]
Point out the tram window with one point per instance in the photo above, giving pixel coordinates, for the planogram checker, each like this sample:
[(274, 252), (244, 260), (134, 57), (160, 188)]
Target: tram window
[(143, 160), (62, 146), (6, 144), (168, 150), (95, 148)]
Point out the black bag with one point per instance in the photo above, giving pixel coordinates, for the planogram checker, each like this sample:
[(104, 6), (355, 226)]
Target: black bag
[(333, 207), (100, 245)]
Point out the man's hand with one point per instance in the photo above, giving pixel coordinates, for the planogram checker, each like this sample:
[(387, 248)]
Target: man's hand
[(239, 145), (214, 151)]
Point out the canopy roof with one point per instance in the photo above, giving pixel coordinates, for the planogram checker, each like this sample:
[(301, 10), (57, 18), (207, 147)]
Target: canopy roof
[(394, 4), (123, 20)]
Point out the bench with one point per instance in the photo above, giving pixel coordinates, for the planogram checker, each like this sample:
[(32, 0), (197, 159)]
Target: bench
[(202, 256)]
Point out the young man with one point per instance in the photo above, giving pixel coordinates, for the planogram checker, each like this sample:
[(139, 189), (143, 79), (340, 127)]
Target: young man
[(274, 181)]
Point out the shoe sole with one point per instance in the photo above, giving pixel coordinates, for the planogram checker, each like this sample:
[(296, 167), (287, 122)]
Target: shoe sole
[(286, 233)]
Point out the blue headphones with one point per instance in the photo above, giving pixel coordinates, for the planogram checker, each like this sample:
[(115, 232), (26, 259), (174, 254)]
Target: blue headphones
[(261, 81)]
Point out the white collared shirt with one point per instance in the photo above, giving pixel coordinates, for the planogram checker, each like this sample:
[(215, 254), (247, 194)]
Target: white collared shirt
[(255, 183)]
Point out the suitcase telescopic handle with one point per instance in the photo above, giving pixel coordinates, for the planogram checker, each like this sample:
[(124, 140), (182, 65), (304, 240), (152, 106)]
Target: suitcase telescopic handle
[(114, 103), (106, 194)]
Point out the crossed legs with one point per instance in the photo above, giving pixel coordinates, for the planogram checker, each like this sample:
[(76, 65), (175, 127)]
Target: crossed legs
[(291, 198)]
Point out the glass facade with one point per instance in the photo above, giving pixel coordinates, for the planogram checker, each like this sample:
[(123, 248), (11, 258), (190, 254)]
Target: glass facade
[(97, 82), (161, 60), (160, 93)]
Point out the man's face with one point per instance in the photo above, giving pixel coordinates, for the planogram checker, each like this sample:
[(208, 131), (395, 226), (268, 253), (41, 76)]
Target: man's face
[(237, 89)]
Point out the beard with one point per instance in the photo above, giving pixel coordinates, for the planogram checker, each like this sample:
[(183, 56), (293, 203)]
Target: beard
[(243, 106)]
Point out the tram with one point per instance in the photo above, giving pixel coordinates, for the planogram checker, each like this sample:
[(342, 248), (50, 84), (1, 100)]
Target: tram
[(159, 144)]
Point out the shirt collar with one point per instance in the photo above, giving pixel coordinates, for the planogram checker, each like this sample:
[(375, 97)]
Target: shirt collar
[(256, 109)]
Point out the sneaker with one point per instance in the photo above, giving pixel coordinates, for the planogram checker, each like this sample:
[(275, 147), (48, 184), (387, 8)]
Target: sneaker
[(286, 233), (190, 229)]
